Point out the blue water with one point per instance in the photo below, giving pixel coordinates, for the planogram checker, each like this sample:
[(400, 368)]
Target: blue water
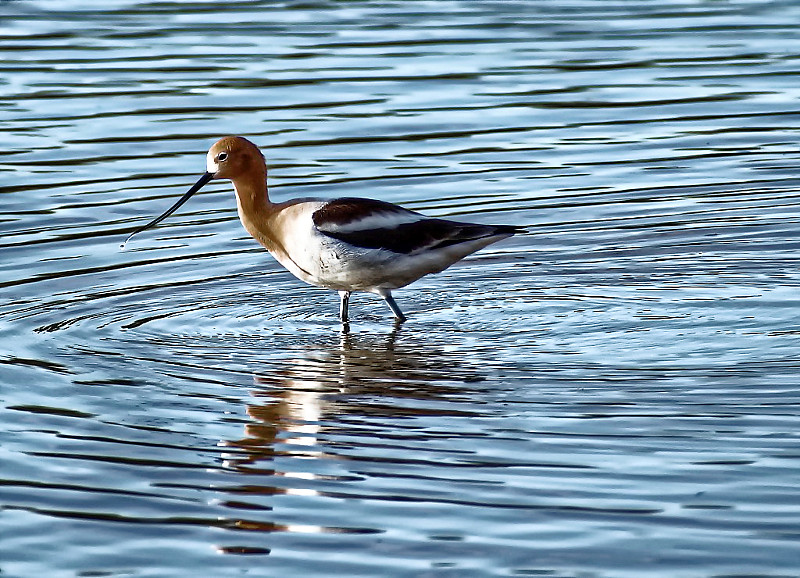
[(612, 394)]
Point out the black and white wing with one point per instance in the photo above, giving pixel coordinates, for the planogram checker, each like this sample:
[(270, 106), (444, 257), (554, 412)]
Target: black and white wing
[(372, 224)]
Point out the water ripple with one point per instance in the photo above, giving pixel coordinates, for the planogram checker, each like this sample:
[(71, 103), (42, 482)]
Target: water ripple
[(611, 394)]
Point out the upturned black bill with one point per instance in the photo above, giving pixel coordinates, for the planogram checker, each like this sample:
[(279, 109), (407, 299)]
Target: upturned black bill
[(196, 187)]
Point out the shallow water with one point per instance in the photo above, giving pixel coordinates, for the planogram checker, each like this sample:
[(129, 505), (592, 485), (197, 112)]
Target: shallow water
[(614, 393)]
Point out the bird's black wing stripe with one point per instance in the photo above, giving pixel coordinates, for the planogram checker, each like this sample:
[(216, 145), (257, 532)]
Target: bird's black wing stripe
[(372, 224), (425, 234)]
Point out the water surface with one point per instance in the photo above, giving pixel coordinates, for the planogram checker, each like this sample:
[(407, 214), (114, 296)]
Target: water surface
[(613, 393)]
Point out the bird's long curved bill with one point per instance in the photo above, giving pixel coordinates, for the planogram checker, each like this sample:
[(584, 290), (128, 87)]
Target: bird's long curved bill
[(196, 187)]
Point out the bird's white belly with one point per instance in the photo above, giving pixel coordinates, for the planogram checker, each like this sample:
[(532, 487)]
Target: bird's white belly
[(326, 262), (329, 263)]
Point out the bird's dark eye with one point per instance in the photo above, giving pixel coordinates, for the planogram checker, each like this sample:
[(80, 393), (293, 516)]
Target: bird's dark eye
[(222, 157)]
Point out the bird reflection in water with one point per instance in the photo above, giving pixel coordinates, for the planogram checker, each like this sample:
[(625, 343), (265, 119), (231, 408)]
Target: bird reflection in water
[(303, 412), (357, 377)]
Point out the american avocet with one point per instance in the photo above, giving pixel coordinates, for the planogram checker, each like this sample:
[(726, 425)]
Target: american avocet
[(345, 244)]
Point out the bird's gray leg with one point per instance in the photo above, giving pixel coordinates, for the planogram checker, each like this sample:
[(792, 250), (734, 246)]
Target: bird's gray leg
[(345, 295), (387, 296)]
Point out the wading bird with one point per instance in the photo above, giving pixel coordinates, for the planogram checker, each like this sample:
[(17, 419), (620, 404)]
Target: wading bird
[(346, 244)]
